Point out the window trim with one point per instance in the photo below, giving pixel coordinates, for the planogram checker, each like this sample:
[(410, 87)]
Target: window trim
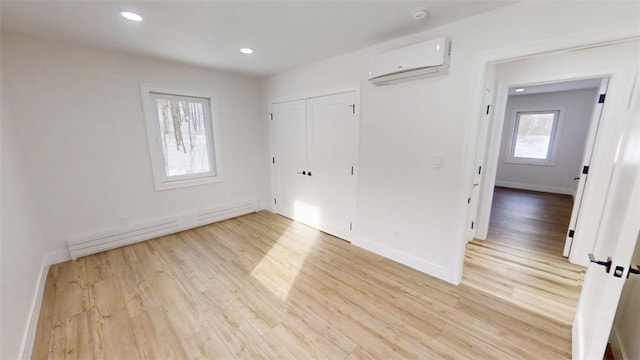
[(552, 152), (161, 180)]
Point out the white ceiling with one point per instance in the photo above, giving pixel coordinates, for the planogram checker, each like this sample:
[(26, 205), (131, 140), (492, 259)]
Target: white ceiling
[(284, 34), (556, 87)]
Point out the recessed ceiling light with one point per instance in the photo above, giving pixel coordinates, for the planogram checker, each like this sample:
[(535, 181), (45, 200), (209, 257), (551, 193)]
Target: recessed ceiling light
[(246, 51), (519, 90), (131, 16)]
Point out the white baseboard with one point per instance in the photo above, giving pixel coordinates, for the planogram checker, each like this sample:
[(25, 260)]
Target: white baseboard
[(403, 258), (182, 221), (88, 244), (534, 187)]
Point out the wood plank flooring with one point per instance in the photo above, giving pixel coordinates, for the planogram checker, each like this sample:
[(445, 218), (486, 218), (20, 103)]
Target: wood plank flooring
[(521, 260), (263, 286)]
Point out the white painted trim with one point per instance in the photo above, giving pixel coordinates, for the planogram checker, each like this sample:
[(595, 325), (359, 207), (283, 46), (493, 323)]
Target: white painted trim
[(92, 243), (29, 337), (315, 94), (409, 260), (550, 160), (60, 256), (157, 161), (535, 187), (616, 33), (57, 257), (275, 208)]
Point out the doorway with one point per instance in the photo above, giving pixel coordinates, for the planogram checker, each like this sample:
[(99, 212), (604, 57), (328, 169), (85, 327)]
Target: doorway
[(546, 283), (543, 140)]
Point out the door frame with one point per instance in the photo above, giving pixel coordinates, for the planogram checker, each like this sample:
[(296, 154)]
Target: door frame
[(309, 95), (493, 141), (550, 46)]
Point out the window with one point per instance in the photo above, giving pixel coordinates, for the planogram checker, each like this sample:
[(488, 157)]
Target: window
[(181, 138), (534, 137)]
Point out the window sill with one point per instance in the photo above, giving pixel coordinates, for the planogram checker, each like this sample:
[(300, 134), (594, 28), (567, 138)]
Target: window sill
[(161, 186), (530, 162)]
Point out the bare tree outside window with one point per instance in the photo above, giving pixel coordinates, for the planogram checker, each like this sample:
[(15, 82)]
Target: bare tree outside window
[(184, 137), (533, 135), (181, 135)]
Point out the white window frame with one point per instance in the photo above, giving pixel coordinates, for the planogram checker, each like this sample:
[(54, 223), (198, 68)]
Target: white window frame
[(553, 140), (161, 180)]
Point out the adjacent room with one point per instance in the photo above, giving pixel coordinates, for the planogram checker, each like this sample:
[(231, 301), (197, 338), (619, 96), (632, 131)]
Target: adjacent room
[(319, 179)]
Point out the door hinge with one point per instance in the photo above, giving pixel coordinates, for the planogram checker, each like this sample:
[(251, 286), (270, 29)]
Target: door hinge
[(271, 115), (473, 223), (601, 98), (273, 159), (479, 170), (468, 200), (488, 109), (275, 201), (353, 108), (352, 170), (350, 226), (571, 233), (585, 169)]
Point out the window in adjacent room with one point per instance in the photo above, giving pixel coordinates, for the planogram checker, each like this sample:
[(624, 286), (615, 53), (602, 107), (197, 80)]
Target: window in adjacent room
[(181, 138), (534, 137)]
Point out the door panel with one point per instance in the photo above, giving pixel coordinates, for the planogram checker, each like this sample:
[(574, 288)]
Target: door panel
[(616, 238), (289, 144), (588, 152), (474, 199), (333, 151)]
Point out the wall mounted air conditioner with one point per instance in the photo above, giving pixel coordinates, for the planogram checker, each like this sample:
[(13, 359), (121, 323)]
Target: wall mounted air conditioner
[(429, 58)]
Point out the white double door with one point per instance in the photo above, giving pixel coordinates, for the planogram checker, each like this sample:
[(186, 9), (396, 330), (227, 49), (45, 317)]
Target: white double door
[(314, 142)]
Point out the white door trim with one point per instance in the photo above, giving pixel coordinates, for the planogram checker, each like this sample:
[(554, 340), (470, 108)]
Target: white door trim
[(615, 34), (310, 95)]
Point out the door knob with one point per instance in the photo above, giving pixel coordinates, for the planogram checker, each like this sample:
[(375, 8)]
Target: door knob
[(302, 173), (606, 264), (632, 270), (309, 173)]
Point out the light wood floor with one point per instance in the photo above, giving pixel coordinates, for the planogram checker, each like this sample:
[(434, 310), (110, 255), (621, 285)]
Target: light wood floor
[(263, 286), (521, 260)]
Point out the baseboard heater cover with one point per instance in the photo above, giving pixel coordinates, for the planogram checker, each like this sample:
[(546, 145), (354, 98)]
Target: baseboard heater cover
[(88, 244)]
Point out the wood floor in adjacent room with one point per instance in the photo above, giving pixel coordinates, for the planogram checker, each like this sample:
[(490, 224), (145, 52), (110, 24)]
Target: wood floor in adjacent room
[(521, 261), (263, 286)]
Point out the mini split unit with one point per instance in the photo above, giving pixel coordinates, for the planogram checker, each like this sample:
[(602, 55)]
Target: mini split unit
[(426, 59)]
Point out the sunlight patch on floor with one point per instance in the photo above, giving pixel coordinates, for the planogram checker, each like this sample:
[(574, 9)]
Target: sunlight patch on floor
[(279, 268), (306, 213)]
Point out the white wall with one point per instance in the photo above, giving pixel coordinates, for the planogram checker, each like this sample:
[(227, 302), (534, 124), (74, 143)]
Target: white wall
[(576, 109), (407, 209), (21, 255), (626, 327), (79, 112)]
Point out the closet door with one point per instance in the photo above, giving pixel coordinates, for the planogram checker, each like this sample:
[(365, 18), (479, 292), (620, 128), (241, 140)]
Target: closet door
[(292, 189), (332, 160)]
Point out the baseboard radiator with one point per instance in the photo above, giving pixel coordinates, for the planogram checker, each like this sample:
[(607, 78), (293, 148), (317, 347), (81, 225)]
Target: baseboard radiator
[(97, 242)]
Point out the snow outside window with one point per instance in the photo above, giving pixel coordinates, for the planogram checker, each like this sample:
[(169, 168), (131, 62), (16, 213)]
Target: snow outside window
[(533, 139), (181, 138)]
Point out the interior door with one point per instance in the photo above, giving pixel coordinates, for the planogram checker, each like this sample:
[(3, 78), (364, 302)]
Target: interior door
[(616, 238), (584, 171), (333, 152), (292, 187), (474, 199)]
